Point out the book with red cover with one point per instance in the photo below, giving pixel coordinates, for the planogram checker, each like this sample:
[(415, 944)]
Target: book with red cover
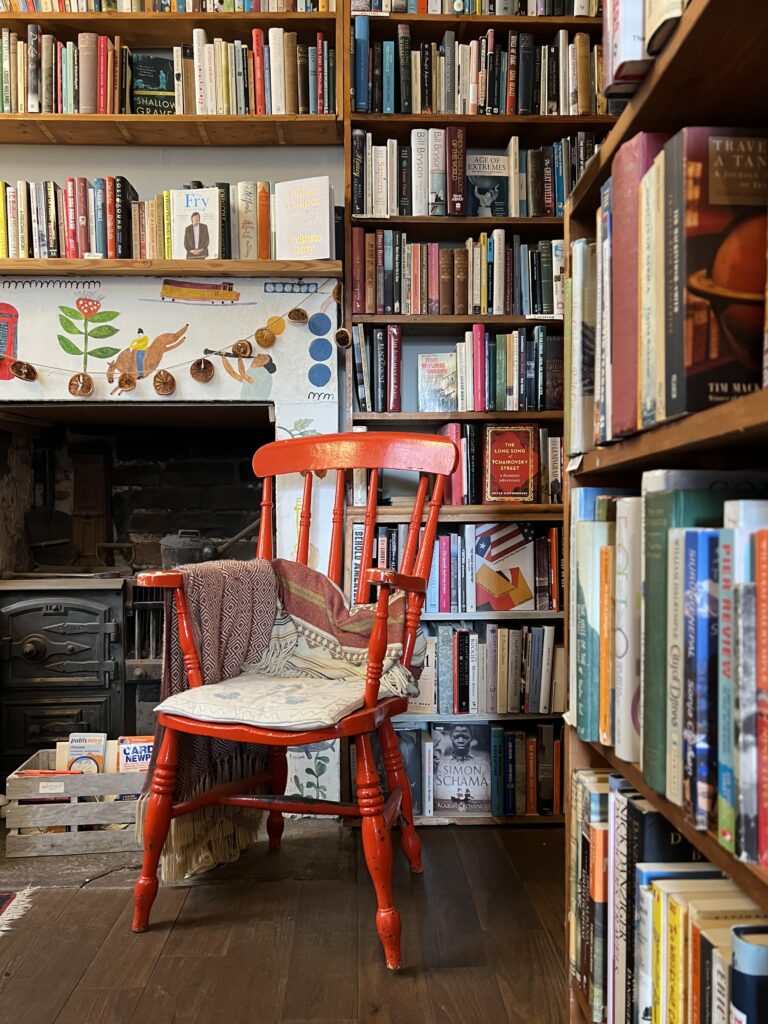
[(455, 488), (379, 236), (444, 574), (511, 463), (258, 74), (716, 190), (394, 357), (358, 270), (761, 609), (321, 100), (110, 217), (629, 165), (69, 206), (81, 216), (456, 154)]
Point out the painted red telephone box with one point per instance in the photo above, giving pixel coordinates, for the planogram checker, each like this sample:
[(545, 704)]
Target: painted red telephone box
[(9, 322)]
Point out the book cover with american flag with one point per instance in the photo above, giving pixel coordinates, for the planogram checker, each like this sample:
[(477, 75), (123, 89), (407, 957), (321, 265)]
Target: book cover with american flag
[(504, 575)]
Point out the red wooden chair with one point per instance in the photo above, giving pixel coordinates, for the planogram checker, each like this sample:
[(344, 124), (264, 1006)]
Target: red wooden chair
[(426, 455)]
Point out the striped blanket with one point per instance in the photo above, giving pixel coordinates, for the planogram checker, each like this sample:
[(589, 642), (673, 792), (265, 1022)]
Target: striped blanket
[(276, 618)]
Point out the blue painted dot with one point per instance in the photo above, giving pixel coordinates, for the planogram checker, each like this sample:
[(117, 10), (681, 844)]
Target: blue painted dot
[(319, 323), (319, 375), (321, 349)]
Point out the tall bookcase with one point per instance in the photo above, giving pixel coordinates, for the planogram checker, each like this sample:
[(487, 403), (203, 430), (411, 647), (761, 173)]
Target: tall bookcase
[(485, 133), (684, 86)]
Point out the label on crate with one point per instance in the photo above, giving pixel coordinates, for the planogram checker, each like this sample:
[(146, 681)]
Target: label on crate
[(50, 787)]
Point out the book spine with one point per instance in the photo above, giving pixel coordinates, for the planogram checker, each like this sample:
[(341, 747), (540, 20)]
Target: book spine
[(394, 358), (746, 743), (726, 628), (761, 621), (674, 271), (675, 664)]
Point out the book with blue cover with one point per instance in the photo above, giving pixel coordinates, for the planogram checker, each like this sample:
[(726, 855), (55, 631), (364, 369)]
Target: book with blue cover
[(362, 44), (700, 675)]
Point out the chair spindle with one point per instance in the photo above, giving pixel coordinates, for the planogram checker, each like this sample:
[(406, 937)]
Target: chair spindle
[(366, 555), (264, 544), (412, 539), (305, 520), (334, 558)]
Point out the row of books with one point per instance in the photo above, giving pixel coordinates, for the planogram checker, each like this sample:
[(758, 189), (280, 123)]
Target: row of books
[(165, 6), (498, 73), (633, 34), (487, 372), (655, 933), (531, 8), (680, 620), (494, 274), (105, 218), (472, 770), (100, 75), (435, 176), (491, 669), (670, 293)]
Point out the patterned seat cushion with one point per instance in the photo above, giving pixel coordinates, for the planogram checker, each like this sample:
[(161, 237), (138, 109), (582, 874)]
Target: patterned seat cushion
[(292, 703)]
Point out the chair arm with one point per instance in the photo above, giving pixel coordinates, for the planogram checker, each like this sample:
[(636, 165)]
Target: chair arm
[(388, 577), (160, 578)]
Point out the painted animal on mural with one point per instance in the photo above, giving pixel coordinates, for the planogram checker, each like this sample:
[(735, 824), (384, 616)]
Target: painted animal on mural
[(142, 357)]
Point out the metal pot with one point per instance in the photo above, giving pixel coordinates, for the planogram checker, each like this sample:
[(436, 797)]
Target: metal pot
[(184, 547)]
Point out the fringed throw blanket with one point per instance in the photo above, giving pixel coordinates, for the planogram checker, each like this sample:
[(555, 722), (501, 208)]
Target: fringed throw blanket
[(232, 607), (258, 618)]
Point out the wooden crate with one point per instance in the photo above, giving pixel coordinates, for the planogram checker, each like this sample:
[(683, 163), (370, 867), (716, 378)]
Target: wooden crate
[(74, 813)]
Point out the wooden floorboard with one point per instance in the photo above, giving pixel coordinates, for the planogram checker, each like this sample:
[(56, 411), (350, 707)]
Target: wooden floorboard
[(293, 941)]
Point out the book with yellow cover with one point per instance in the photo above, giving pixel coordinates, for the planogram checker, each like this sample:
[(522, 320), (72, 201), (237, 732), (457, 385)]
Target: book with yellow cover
[(607, 607)]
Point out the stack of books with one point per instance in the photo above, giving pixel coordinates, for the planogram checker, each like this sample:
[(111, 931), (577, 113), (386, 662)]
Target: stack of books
[(670, 293), (474, 770), (106, 218), (484, 8), (504, 73), (167, 6), (101, 75), (655, 933), (494, 274), (435, 176), (679, 575)]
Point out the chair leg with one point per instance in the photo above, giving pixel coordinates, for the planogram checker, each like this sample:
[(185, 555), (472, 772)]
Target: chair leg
[(397, 776), (156, 825), (277, 766), (377, 846)]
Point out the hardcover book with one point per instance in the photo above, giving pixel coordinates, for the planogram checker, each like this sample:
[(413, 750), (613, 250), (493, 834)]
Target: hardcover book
[(436, 380), (505, 573), (462, 769), (152, 82), (487, 185), (511, 463), (716, 187), (196, 223), (303, 219)]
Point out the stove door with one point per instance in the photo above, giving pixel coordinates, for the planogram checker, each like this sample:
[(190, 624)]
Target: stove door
[(58, 642)]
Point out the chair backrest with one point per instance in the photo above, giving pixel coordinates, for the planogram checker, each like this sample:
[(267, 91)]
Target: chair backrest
[(427, 455)]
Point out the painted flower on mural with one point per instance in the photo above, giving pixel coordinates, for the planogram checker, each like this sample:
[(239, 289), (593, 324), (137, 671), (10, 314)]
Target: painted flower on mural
[(87, 322)]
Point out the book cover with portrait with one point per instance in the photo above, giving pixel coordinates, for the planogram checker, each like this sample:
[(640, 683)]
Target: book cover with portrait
[(195, 224), (461, 769)]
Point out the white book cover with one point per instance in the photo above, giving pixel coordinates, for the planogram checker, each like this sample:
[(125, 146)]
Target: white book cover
[(558, 276), (234, 224), (473, 673), (513, 173), (277, 69), (563, 99), (210, 79), (437, 177), (514, 670), (368, 174), (195, 224), (392, 203), (199, 40), (304, 219), (246, 220), (502, 670), (482, 679), (461, 376), (547, 661), (657, 286), (13, 222), (380, 185), (499, 279), (424, 702), (470, 371), (675, 663), (427, 765), (752, 514), (420, 172), (178, 81), (470, 534), (627, 628), (573, 84)]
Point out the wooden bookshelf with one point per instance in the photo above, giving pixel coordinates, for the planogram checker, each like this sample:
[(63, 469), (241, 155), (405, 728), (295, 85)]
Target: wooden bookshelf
[(684, 86), (423, 418), (168, 268), (464, 513), (174, 130)]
